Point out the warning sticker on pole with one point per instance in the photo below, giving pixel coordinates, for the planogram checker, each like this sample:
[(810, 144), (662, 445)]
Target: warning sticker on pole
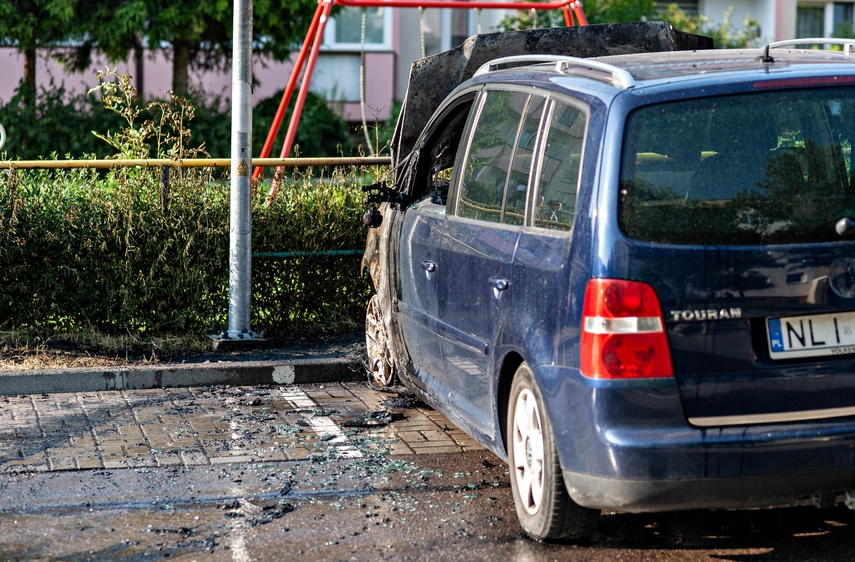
[(243, 168)]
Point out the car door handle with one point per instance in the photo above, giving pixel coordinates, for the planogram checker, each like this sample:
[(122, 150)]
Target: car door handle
[(499, 284), (429, 266)]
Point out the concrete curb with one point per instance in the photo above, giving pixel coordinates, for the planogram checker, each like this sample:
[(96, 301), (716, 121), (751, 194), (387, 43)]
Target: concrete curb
[(238, 373)]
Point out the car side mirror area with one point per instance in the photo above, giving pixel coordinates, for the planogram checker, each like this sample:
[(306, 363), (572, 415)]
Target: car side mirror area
[(372, 218), (379, 193)]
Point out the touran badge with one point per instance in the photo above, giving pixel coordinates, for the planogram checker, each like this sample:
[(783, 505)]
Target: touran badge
[(707, 314)]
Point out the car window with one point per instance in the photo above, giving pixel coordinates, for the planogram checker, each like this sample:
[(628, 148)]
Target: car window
[(432, 166), (764, 168), (497, 165), (517, 193), (559, 175)]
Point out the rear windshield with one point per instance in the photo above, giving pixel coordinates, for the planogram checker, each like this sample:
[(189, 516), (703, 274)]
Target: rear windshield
[(760, 168)]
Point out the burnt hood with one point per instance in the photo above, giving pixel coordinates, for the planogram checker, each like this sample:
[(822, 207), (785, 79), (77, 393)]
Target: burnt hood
[(433, 78)]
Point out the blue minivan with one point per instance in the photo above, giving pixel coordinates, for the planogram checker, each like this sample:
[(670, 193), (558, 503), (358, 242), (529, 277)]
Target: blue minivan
[(633, 277)]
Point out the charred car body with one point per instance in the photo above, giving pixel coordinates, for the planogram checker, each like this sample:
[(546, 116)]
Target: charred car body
[(630, 276)]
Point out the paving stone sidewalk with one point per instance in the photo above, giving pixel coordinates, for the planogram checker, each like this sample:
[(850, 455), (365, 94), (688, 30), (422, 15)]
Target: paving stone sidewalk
[(163, 427)]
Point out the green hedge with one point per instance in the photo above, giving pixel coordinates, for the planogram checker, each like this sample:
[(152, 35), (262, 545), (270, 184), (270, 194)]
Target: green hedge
[(114, 252), (121, 252)]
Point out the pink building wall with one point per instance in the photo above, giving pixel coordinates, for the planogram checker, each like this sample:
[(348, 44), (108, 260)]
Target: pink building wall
[(270, 77)]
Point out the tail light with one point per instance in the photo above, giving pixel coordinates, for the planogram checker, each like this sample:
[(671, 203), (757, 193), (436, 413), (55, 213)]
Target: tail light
[(623, 332)]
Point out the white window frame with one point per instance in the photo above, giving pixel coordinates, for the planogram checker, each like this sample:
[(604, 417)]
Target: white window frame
[(330, 43), (828, 14)]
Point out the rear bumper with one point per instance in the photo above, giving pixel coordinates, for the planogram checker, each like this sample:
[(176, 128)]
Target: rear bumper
[(769, 490), (628, 446)]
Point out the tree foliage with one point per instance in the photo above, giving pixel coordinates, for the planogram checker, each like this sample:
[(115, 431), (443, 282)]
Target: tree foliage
[(33, 24), (619, 11), (725, 35), (198, 33)]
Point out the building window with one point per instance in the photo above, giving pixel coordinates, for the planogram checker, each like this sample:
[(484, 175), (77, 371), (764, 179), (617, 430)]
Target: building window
[(829, 19), (810, 21), (344, 31), (843, 14)]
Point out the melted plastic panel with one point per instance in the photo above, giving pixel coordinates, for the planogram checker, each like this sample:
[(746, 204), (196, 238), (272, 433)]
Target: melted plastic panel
[(433, 78)]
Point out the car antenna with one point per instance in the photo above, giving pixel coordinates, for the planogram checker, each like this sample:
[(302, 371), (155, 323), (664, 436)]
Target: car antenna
[(765, 58)]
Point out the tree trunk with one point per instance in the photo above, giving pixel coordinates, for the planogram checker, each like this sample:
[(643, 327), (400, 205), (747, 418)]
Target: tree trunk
[(28, 90), (180, 66), (139, 63), (29, 84)]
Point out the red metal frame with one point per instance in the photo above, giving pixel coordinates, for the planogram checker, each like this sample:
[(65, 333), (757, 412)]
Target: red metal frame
[(314, 40)]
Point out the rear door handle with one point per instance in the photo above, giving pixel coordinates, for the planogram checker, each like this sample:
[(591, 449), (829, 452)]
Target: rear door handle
[(500, 284), (429, 266)]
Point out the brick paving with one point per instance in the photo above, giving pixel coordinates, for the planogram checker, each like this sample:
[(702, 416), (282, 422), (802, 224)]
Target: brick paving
[(213, 425)]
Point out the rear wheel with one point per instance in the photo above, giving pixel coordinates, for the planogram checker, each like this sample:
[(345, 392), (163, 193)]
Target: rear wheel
[(380, 365), (544, 508)]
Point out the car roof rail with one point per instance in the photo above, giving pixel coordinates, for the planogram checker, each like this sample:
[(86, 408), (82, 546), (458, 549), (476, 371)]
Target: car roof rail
[(578, 65), (499, 63), (848, 45), (565, 64)]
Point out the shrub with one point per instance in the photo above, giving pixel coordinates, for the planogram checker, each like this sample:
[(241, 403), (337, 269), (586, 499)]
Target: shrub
[(725, 35), (321, 132), (120, 251), (83, 249), (57, 125)]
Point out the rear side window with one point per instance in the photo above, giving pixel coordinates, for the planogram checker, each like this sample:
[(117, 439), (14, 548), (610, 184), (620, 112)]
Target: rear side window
[(559, 174), (760, 168)]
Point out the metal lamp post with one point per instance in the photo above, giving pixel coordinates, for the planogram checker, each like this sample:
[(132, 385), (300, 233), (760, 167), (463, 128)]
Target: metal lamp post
[(240, 232)]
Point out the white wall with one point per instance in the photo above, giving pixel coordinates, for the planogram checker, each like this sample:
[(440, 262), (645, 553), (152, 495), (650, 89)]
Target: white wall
[(777, 18)]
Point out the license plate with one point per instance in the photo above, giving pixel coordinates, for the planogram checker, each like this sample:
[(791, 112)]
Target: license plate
[(811, 336)]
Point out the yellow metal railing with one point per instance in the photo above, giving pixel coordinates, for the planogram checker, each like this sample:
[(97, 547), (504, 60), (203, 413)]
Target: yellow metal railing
[(108, 164)]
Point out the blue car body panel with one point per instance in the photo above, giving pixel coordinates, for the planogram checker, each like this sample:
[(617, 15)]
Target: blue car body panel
[(421, 237), (735, 426)]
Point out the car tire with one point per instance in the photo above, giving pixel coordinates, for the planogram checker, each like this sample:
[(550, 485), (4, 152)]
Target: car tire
[(544, 508), (381, 368)]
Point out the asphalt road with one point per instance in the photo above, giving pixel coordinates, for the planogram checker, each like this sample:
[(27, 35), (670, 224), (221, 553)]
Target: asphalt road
[(313, 472)]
